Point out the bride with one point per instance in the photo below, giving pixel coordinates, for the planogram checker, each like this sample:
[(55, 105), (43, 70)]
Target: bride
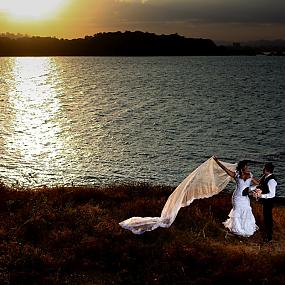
[(241, 220), (207, 180)]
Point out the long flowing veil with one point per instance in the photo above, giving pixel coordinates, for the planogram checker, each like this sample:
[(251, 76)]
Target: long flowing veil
[(205, 181)]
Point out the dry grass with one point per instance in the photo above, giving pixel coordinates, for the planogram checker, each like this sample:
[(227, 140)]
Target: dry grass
[(70, 235)]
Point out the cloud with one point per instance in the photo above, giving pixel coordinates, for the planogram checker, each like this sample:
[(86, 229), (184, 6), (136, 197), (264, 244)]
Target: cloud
[(217, 11), (216, 19), (219, 19)]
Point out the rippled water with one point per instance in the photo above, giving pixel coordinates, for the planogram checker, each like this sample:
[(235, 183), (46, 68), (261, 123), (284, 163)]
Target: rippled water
[(93, 120)]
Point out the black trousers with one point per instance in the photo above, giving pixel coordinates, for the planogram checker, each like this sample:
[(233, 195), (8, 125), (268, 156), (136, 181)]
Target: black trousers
[(267, 217)]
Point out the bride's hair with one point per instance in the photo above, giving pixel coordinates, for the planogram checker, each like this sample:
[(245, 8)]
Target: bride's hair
[(241, 165)]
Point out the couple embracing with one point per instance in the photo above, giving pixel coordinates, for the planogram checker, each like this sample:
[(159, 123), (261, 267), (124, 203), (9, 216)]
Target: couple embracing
[(241, 220)]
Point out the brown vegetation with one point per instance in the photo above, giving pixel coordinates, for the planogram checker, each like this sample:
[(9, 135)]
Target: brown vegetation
[(71, 235)]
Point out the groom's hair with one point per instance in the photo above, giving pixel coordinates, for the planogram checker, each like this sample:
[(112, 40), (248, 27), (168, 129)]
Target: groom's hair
[(269, 167)]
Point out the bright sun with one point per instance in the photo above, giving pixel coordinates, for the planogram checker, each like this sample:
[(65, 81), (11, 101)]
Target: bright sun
[(31, 9)]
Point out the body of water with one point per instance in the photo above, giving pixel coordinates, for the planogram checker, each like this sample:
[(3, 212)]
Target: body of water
[(100, 120)]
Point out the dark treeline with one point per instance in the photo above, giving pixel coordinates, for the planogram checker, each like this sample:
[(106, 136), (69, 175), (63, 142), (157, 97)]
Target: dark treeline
[(116, 44)]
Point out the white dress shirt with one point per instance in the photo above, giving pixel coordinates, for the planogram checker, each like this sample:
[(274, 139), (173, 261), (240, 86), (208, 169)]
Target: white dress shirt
[(272, 188)]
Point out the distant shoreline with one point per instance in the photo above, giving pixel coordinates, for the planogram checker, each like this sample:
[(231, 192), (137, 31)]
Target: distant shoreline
[(119, 44)]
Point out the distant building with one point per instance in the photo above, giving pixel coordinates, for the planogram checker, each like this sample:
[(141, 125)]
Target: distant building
[(236, 45)]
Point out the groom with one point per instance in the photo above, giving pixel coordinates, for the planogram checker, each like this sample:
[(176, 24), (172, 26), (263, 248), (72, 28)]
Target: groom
[(267, 185)]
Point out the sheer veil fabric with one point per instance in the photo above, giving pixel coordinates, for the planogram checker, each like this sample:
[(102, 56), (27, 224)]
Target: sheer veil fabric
[(205, 181)]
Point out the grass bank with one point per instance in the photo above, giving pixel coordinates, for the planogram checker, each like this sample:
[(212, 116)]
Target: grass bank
[(70, 235)]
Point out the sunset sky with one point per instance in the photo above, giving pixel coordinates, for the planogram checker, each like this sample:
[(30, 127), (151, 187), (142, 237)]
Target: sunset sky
[(219, 20)]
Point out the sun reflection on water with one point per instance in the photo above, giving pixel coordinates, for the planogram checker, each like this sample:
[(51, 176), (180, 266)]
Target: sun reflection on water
[(35, 103)]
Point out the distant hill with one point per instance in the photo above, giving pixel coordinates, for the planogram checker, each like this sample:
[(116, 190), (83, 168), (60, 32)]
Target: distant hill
[(278, 43), (273, 47), (114, 44), (270, 47)]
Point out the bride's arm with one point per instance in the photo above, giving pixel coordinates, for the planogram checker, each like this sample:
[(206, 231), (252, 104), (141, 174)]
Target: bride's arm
[(229, 172)]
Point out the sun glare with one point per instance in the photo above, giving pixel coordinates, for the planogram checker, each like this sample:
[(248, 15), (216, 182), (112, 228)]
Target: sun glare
[(36, 137), (31, 9)]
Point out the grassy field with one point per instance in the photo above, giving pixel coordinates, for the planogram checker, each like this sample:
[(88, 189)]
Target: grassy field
[(71, 235)]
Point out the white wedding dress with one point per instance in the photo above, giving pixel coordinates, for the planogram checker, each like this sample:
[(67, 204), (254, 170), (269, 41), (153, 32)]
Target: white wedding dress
[(205, 181), (241, 220)]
